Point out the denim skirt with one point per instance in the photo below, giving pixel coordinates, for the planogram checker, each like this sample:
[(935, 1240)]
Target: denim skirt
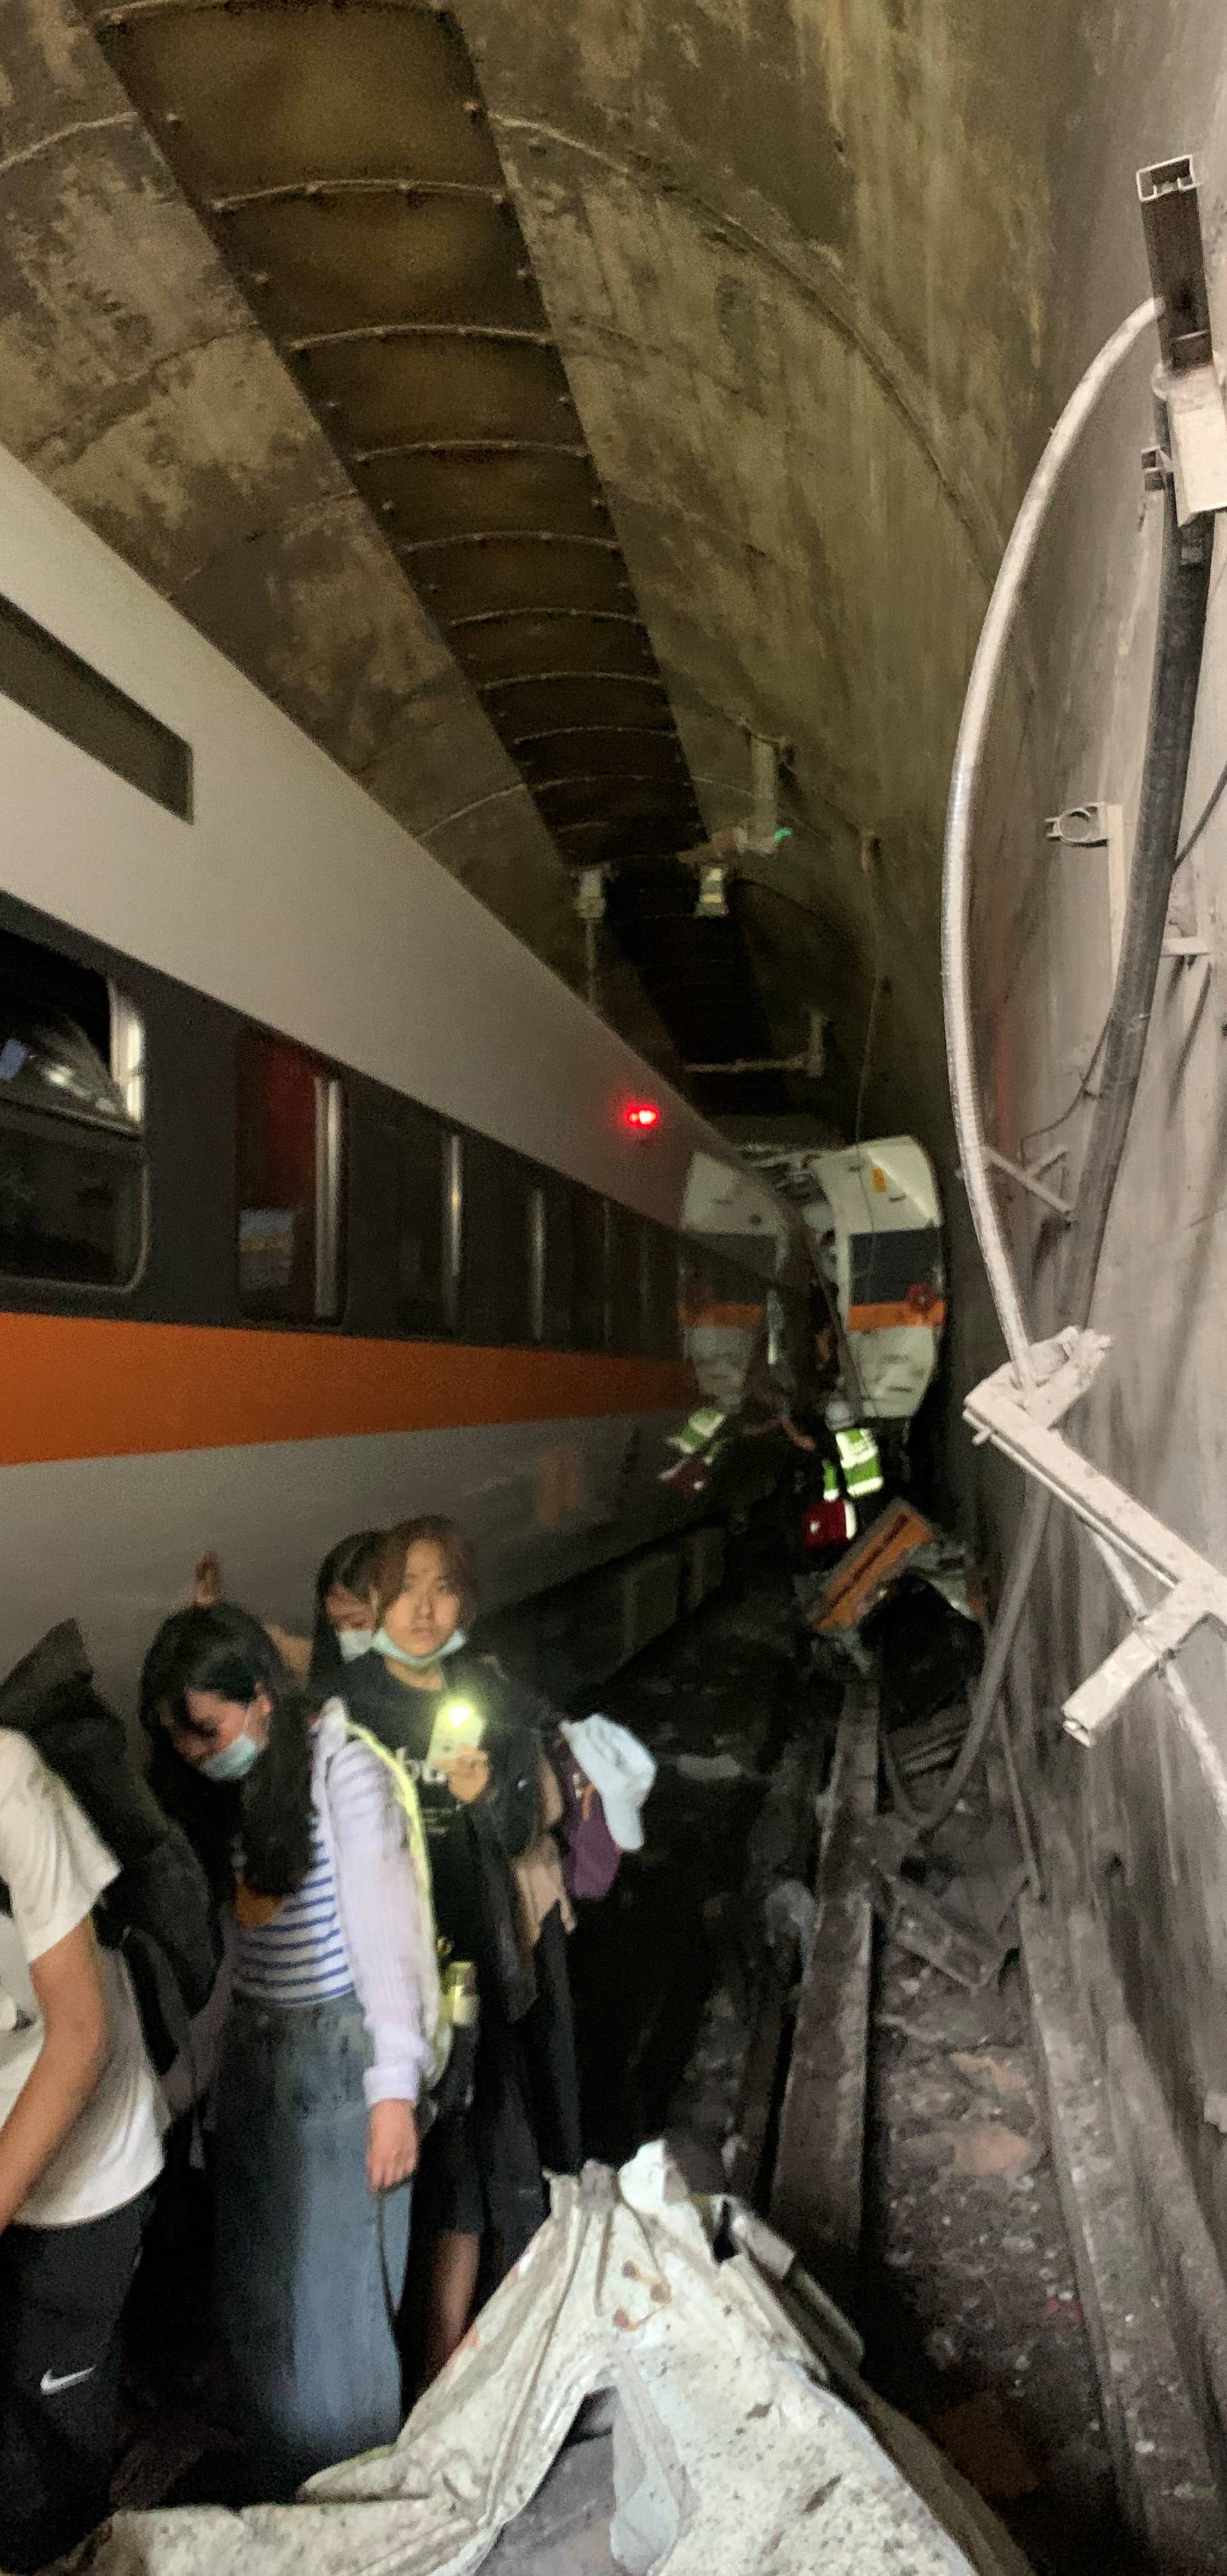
[(309, 2264)]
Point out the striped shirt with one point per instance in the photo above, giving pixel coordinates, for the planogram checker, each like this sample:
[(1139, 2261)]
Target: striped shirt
[(357, 1923), (299, 1957)]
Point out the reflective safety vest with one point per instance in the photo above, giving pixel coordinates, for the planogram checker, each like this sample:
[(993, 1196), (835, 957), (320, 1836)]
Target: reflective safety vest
[(832, 1522), (699, 1431), (859, 1461)]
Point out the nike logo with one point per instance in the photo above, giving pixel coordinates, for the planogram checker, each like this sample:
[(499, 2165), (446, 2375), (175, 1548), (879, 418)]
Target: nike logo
[(51, 2383)]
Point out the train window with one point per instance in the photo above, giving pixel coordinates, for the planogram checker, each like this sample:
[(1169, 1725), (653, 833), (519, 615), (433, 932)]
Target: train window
[(658, 1293), (625, 1280), (423, 1164), (453, 1220), (589, 1271), (72, 1163), (552, 1260), (128, 1054), (290, 1155), (690, 1284), (496, 1289), (43, 676), (538, 1223)]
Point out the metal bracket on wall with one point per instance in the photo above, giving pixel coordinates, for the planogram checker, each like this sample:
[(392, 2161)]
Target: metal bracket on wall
[(1191, 385), (1029, 1178), (1194, 1590), (811, 1060), (1096, 826)]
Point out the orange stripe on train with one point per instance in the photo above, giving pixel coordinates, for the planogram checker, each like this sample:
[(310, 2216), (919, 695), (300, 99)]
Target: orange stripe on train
[(103, 1387), (893, 1318)]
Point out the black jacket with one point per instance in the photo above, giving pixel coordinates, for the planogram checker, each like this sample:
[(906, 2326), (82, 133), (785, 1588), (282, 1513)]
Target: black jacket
[(470, 1845), (158, 1910)]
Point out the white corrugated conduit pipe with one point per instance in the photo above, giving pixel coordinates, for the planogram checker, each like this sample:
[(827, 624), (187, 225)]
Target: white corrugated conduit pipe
[(978, 707)]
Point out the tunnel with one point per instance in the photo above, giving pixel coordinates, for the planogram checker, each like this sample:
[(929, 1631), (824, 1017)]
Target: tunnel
[(612, 557)]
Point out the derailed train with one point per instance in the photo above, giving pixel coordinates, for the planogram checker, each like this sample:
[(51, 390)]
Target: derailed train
[(321, 1199)]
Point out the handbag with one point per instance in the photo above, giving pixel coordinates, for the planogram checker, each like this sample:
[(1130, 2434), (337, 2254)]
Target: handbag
[(590, 1856)]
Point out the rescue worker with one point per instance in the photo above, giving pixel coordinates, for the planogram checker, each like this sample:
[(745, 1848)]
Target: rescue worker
[(860, 1466), (851, 1476), (828, 1525)]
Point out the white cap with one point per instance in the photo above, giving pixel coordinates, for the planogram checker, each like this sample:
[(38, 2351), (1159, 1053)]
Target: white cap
[(839, 1413), (621, 1770)]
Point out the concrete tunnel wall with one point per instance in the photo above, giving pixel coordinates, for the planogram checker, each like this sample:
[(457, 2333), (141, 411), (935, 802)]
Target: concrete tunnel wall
[(1149, 1841), (821, 275)]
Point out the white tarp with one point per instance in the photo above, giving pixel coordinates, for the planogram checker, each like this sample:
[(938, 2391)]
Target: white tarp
[(731, 2454)]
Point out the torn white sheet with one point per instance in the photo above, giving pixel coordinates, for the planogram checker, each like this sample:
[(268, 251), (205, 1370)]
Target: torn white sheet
[(730, 2455)]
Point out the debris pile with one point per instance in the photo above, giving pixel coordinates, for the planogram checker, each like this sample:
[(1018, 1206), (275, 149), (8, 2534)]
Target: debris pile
[(711, 2346)]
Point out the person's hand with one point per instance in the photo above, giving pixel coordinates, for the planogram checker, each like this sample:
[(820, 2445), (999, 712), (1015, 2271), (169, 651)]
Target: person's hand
[(391, 2145), (207, 1583)]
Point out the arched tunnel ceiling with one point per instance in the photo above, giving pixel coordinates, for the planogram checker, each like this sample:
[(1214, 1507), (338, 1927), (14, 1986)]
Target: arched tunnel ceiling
[(538, 402)]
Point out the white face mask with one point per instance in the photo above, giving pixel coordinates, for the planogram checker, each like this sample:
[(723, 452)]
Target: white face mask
[(234, 1760), (353, 1642), (383, 1645)]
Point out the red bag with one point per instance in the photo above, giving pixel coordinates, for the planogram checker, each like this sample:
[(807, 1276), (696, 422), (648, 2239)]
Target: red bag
[(827, 1524), (590, 1856)]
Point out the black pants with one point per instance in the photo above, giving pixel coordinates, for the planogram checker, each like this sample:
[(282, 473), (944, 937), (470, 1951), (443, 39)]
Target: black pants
[(62, 2293), (548, 2038)]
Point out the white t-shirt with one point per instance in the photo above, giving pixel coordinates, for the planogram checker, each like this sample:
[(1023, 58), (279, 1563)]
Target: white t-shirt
[(55, 1868)]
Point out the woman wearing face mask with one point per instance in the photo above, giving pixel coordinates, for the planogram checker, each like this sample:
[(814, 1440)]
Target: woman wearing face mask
[(344, 1616), (344, 1607), (328, 2038), (474, 1741)]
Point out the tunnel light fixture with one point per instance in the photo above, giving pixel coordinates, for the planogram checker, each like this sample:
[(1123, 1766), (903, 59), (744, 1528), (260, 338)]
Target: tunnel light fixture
[(590, 909), (712, 904), (590, 894)]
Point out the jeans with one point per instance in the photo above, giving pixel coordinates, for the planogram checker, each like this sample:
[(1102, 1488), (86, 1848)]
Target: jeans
[(62, 2295), (309, 2264)]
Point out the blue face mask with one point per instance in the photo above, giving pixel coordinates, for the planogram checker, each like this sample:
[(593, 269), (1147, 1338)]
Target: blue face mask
[(234, 1760), (383, 1645), (353, 1642)]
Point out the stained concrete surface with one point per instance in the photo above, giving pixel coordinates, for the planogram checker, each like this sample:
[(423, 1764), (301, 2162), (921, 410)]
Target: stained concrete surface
[(976, 2324), (966, 2290)]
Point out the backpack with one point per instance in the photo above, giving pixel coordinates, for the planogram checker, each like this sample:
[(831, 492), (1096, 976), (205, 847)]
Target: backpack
[(157, 1913)]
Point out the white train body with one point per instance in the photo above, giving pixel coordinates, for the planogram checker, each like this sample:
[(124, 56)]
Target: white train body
[(876, 1221), (237, 1370)]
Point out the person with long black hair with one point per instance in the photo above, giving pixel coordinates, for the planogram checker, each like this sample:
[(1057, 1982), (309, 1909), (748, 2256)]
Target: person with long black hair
[(331, 2032)]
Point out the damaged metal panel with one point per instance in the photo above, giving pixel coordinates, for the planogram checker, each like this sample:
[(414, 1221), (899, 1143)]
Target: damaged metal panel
[(343, 162)]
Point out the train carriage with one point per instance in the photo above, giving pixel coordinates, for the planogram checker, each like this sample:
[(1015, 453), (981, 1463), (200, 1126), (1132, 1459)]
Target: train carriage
[(322, 1200)]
